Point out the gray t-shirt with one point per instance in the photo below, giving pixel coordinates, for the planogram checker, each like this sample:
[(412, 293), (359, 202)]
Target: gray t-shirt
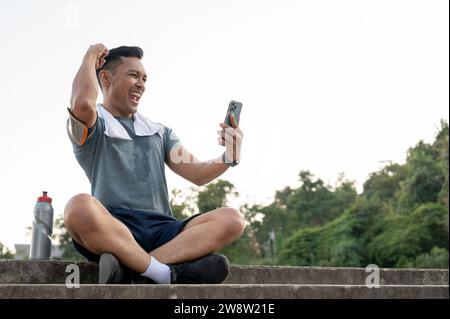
[(127, 173)]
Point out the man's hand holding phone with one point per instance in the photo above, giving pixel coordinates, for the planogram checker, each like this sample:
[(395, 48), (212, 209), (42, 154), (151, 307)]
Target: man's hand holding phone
[(231, 137)]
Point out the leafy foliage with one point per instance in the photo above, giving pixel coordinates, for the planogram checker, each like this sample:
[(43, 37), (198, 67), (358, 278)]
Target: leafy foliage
[(403, 237), (5, 253), (218, 194), (400, 219), (331, 244), (215, 195), (63, 239), (436, 258), (181, 204)]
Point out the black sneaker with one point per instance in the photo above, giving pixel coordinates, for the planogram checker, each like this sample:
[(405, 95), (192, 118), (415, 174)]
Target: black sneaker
[(210, 269), (137, 279), (111, 271)]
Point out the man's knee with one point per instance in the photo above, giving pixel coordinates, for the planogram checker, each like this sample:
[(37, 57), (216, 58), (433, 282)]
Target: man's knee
[(79, 210), (233, 221)]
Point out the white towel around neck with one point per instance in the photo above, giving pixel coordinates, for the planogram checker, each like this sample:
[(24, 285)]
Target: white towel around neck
[(142, 125)]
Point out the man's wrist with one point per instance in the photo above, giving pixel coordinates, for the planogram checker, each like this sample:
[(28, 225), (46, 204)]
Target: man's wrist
[(226, 161), (90, 57)]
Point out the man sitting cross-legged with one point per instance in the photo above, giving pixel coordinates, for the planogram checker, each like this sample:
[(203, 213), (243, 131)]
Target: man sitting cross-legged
[(126, 224)]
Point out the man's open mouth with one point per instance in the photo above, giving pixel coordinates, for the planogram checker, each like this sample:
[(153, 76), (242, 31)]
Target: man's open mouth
[(135, 96)]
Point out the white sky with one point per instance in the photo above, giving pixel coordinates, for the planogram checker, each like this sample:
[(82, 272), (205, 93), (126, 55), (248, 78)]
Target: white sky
[(328, 86)]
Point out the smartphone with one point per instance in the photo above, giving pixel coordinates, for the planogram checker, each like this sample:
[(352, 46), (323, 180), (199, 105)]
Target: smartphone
[(234, 108)]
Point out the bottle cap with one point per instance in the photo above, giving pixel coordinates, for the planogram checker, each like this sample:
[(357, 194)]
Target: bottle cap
[(44, 198)]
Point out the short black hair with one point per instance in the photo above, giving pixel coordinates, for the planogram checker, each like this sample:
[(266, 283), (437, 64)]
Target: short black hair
[(115, 55)]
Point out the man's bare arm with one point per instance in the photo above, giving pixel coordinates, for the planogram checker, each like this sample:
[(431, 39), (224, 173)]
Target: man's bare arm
[(85, 86), (208, 171), (182, 162)]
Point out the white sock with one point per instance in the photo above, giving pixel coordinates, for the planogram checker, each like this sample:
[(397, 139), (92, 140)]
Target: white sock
[(158, 272)]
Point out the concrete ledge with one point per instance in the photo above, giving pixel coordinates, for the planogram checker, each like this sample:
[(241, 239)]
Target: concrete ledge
[(54, 272), (44, 272), (333, 275), (221, 292)]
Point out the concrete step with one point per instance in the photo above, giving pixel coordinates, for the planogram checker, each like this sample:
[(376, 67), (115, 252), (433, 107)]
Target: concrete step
[(224, 291), (54, 272), (333, 276)]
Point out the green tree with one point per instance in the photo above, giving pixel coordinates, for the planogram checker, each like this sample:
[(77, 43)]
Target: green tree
[(282, 197), (273, 220), (62, 238), (315, 203), (331, 244), (435, 258), (246, 249), (344, 196), (383, 186), (215, 195), (311, 202), (218, 194), (442, 144), (424, 177), (181, 203), (5, 253), (311, 205), (278, 217), (400, 219), (403, 237)]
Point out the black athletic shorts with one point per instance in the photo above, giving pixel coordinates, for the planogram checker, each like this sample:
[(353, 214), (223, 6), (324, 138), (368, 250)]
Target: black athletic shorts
[(149, 229)]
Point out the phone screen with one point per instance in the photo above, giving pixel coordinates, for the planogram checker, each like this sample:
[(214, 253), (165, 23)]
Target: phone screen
[(234, 108)]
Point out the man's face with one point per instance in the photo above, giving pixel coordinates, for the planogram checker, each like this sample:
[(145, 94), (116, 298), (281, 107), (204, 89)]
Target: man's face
[(126, 86)]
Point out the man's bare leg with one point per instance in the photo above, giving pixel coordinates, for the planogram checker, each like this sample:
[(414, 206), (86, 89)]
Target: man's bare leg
[(202, 235), (90, 224)]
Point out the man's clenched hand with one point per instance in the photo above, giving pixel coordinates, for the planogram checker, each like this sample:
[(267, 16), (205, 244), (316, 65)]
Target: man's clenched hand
[(98, 52)]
